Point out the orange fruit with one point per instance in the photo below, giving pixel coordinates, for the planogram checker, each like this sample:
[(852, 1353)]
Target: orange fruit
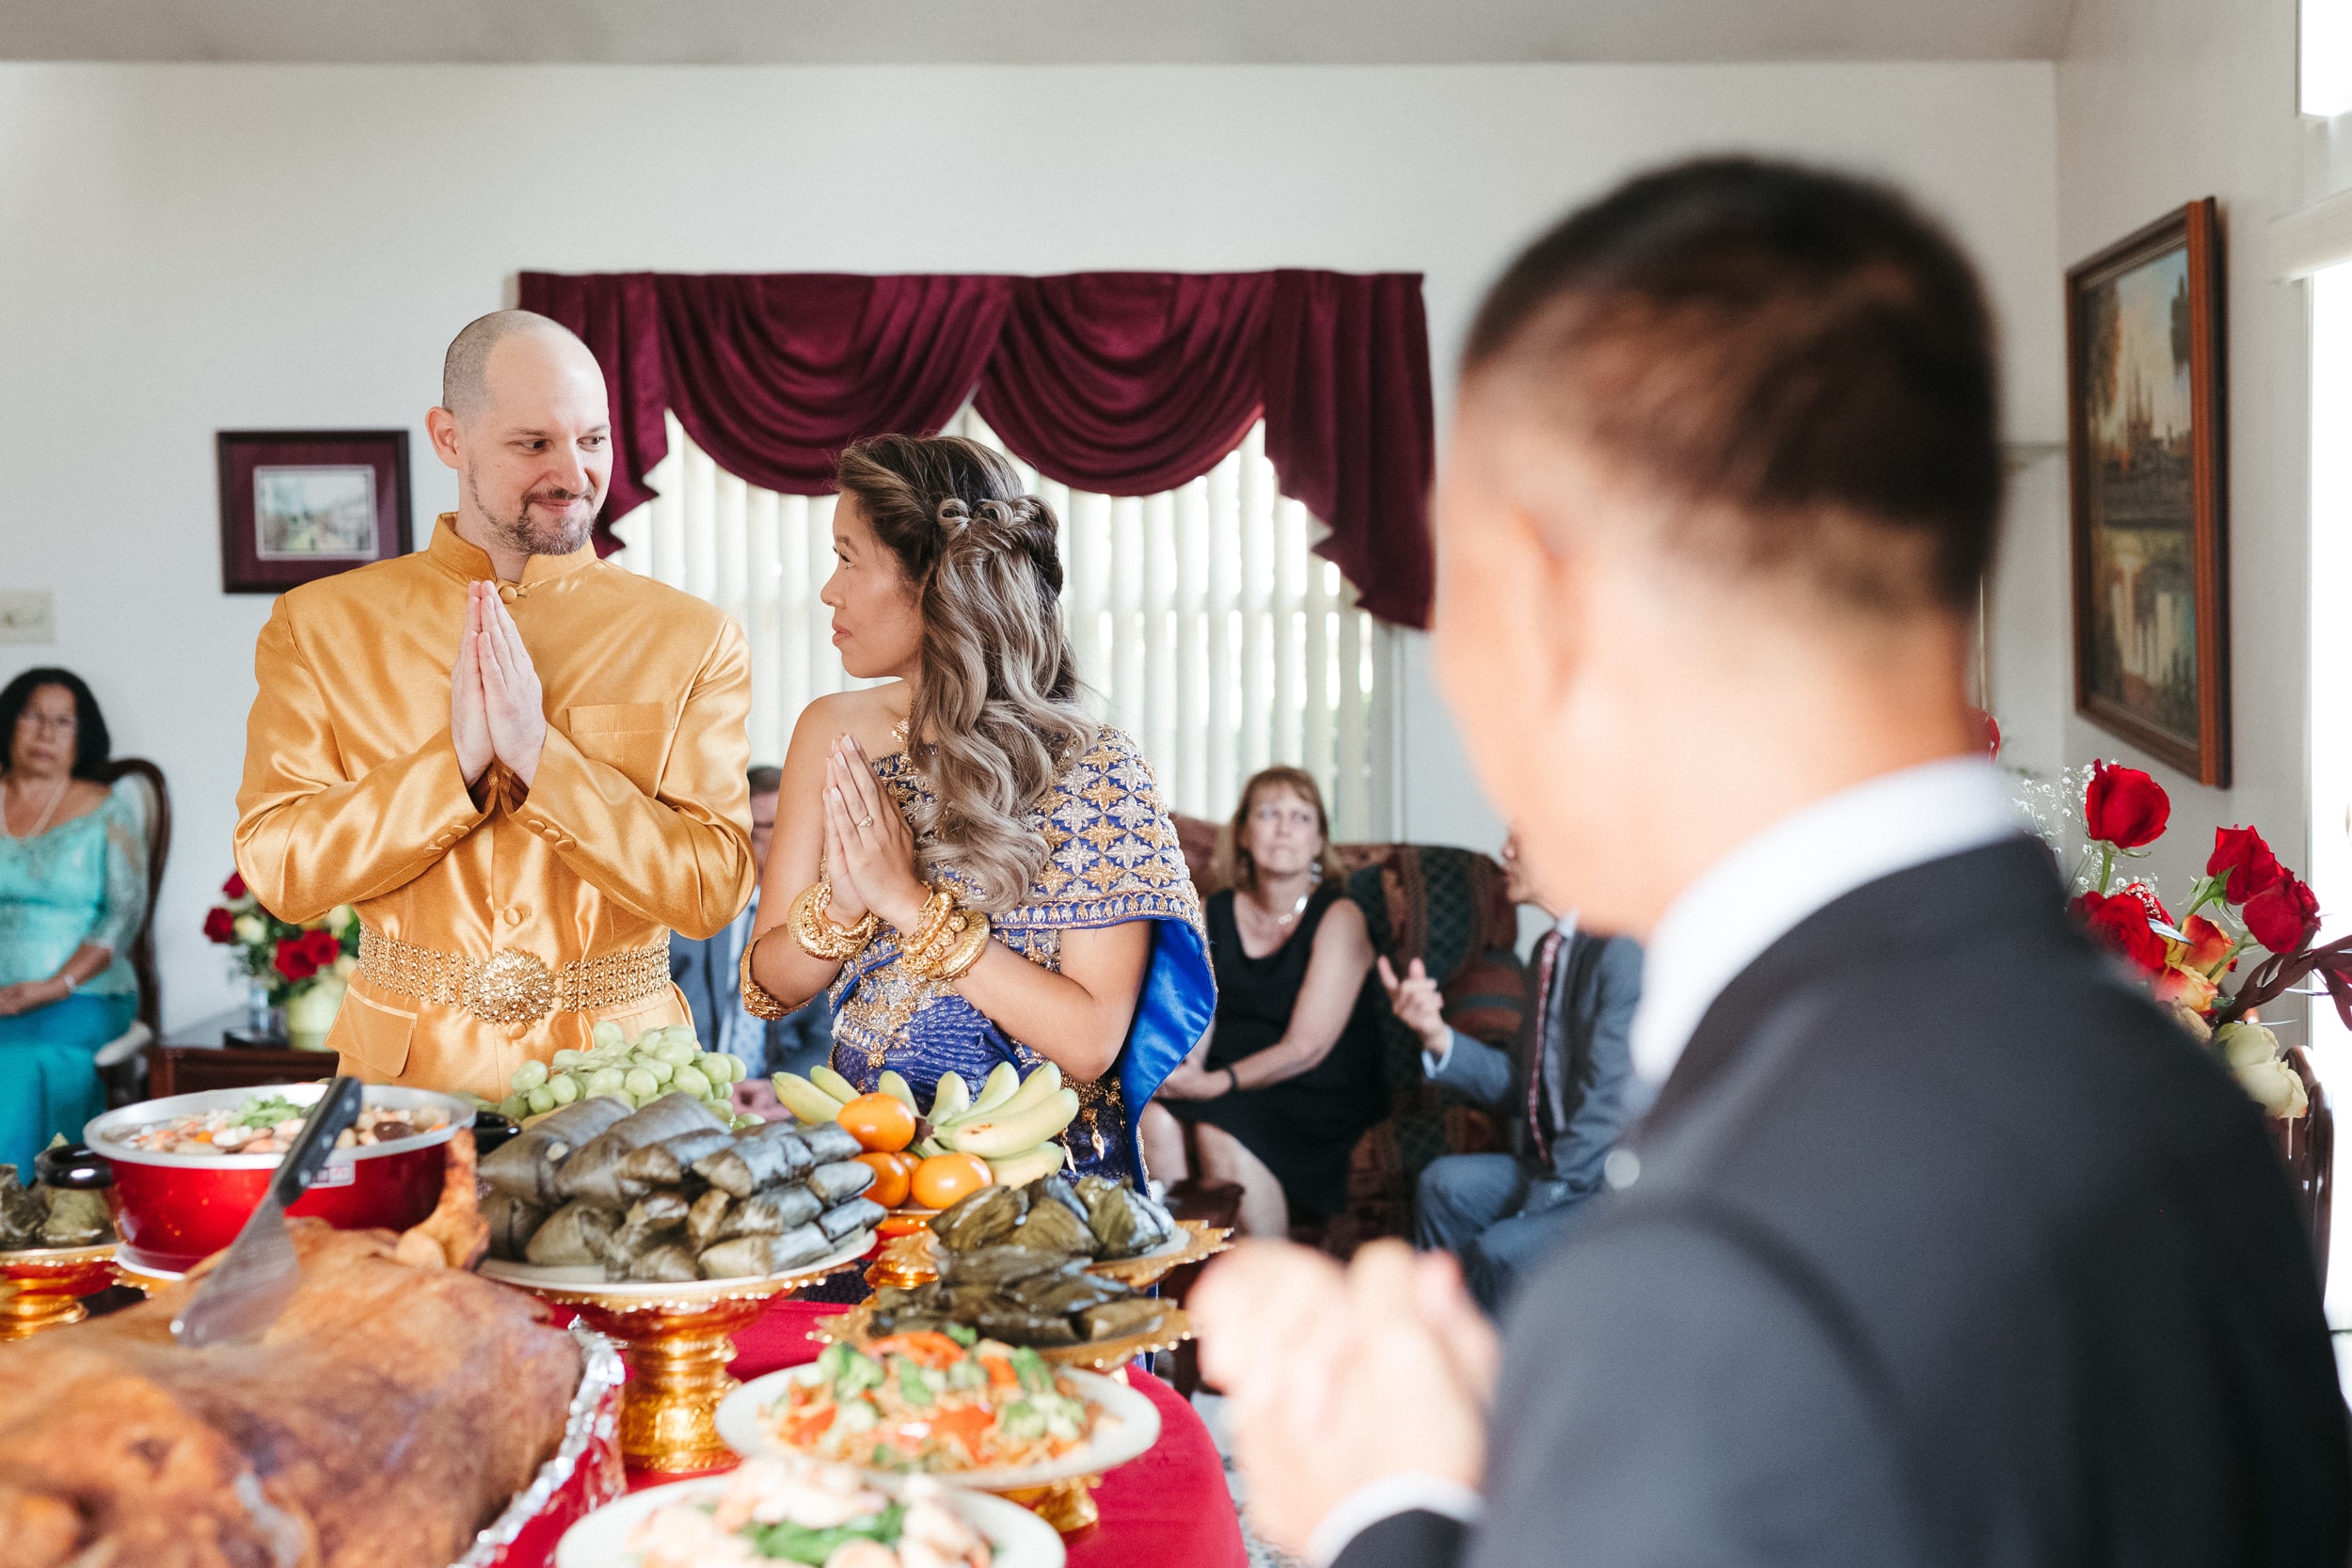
[(878, 1122), (944, 1178), (893, 1175)]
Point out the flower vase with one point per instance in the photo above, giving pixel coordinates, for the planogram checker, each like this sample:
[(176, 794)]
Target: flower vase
[(260, 1016), (310, 1013)]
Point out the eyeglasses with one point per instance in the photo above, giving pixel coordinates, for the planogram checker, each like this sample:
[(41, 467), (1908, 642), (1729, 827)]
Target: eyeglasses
[(59, 723)]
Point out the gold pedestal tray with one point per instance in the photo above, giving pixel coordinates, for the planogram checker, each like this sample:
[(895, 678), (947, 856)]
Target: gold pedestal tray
[(1066, 1505), (912, 1259), (678, 1341), (41, 1288)]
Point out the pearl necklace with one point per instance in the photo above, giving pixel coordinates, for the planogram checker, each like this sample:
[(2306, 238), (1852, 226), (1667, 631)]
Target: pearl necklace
[(49, 810)]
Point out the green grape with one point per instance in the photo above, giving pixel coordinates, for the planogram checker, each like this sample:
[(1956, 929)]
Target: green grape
[(686, 1080), (528, 1076), (725, 1062), (607, 1035), (514, 1107), (566, 1088), (565, 1058), (542, 1100), (660, 1069), (608, 1080), (743, 1123), (677, 1052), (641, 1086)]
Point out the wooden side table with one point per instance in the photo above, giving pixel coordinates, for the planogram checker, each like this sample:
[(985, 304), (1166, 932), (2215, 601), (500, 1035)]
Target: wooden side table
[(217, 1053)]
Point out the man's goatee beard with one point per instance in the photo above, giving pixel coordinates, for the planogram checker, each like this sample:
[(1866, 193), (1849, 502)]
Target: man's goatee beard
[(519, 532)]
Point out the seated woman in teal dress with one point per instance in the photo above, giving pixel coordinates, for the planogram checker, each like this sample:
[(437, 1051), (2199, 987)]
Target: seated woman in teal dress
[(72, 896), (1007, 801)]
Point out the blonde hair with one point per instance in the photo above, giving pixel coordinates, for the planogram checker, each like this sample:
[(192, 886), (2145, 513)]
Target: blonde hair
[(1236, 867), (997, 712)]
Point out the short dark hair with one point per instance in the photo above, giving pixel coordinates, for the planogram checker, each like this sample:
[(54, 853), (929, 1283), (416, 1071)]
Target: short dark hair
[(766, 778), (93, 748), (1802, 349)]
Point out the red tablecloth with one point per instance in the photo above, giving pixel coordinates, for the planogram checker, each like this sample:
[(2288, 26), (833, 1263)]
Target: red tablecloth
[(1168, 1509)]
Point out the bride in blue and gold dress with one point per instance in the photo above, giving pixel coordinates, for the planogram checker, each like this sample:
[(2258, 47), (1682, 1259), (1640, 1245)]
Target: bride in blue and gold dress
[(972, 802)]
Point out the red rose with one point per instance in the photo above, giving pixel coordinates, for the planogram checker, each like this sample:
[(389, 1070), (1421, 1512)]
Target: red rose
[(2146, 897), (321, 949), (2124, 806), (1986, 731), (2284, 916), (219, 925), (2119, 922), (233, 887), (294, 960), (2241, 855), (2208, 944)]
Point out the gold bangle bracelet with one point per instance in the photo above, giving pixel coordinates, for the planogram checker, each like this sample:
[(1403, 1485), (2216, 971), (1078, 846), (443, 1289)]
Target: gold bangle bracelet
[(957, 961), (757, 1000), (816, 931), (933, 929)]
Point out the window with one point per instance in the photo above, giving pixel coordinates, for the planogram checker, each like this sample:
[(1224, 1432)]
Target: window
[(1205, 624), (2326, 57)]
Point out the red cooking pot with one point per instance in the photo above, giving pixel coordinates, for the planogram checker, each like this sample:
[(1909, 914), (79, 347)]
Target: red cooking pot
[(171, 1210)]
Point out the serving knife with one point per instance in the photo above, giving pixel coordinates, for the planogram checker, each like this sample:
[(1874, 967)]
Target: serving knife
[(246, 1289)]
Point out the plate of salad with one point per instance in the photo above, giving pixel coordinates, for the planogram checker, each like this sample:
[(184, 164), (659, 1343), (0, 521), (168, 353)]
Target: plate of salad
[(987, 1414), (780, 1509)]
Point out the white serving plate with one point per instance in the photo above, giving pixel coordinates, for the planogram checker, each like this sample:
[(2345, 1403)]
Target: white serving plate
[(584, 1278), (1016, 1537), (1126, 1425)]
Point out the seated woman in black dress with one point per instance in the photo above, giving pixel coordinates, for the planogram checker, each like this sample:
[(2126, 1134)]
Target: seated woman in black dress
[(1288, 1077)]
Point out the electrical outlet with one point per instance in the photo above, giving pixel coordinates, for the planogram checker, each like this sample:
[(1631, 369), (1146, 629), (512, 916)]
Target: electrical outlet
[(28, 615)]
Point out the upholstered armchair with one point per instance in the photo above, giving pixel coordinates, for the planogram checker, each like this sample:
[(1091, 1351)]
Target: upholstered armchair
[(1446, 906)]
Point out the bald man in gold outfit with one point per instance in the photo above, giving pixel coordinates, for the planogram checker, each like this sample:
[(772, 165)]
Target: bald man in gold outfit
[(525, 766)]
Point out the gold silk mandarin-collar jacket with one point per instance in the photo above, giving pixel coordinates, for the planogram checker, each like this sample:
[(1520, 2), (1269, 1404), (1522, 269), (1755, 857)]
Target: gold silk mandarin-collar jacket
[(637, 822)]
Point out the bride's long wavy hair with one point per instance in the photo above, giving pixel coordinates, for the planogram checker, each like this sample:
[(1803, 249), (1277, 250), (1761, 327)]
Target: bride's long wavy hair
[(997, 711)]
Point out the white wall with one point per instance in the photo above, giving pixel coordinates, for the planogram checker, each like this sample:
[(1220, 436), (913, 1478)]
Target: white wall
[(2161, 101), (184, 249)]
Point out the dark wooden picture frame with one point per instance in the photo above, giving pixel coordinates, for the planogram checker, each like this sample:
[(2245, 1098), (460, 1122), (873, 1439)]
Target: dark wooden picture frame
[(2147, 445), (296, 505)]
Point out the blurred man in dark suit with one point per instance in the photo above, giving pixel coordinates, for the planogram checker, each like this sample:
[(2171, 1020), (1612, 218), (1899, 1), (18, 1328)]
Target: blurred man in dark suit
[(1565, 1095), (1939, 1244), (707, 973)]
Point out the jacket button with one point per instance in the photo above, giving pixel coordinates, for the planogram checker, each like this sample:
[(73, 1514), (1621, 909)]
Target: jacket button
[(506, 592), (516, 915)]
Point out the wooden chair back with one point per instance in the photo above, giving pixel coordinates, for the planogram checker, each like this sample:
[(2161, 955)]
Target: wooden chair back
[(142, 953)]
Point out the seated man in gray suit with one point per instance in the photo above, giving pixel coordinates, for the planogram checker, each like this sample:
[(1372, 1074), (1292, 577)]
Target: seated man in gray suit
[(706, 972), (1566, 1093)]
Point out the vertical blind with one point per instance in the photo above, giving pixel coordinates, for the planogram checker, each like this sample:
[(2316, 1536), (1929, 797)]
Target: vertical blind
[(1204, 624)]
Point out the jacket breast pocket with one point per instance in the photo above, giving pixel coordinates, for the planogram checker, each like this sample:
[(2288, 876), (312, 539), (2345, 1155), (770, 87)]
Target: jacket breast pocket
[(631, 737), (373, 1034)]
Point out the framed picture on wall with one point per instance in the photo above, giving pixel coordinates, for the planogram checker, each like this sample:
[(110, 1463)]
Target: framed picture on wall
[(2146, 416), (300, 504)]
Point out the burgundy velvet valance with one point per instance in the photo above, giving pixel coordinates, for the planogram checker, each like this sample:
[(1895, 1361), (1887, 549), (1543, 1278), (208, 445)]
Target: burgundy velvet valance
[(1121, 383)]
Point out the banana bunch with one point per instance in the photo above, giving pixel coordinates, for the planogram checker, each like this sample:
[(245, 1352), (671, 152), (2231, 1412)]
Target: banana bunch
[(659, 1062), (1011, 1123)]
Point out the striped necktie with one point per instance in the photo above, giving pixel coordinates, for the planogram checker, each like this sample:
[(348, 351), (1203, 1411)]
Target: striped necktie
[(1546, 958)]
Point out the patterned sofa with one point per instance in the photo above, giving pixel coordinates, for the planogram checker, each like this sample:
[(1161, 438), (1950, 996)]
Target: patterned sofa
[(1447, 908)]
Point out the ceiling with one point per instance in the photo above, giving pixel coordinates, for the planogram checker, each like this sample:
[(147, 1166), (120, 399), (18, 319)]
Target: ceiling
[(744, 32)]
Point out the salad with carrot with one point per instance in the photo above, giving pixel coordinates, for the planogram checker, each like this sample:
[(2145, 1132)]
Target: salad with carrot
[(933, 1401)]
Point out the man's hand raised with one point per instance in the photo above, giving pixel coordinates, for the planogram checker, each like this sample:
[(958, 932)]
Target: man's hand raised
[(511, 697), (468, 722), (1418, 1005), (1335, 1379)]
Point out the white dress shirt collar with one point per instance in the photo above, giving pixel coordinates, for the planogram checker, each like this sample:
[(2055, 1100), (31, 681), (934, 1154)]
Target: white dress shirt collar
[(1806, 861)]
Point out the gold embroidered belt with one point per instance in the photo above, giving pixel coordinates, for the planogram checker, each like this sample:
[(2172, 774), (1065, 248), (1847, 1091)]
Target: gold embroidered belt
[(511, 987)]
